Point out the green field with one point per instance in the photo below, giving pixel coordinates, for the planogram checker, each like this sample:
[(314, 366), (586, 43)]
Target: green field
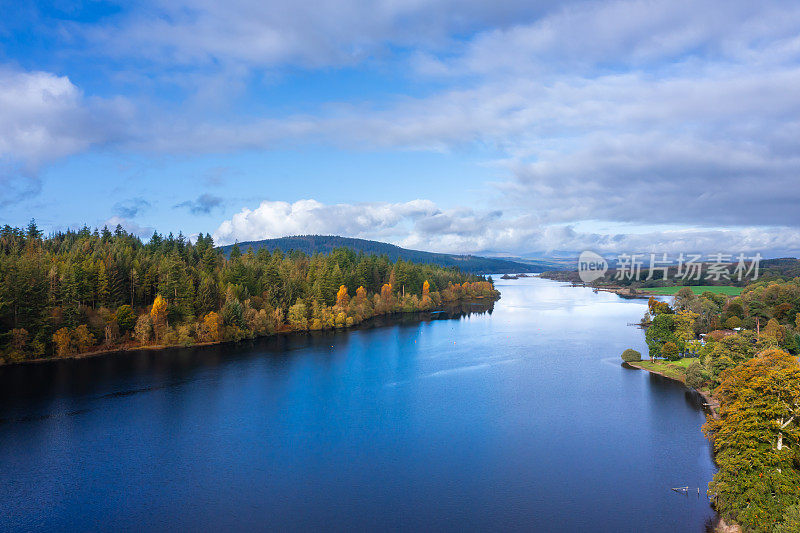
[(671, 369), (698, 289)]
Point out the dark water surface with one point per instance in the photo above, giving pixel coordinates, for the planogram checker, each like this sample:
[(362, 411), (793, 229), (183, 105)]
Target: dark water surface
[(518, 419)]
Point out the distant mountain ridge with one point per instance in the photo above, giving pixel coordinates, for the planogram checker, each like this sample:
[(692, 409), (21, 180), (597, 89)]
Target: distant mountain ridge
[(311, 244)]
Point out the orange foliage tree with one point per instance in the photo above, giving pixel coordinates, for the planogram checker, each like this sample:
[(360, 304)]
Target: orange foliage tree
[(63, 341), (386, 291), (361, 295), (341, 297), (212, 327)]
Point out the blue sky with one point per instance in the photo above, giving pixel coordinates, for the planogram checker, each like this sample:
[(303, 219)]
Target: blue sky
[(450, 126)]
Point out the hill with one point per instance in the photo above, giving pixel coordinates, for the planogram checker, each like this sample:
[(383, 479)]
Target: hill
[(783, 268), (311, 244)]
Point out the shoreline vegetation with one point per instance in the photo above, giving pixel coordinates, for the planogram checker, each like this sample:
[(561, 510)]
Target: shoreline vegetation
[(89, 292), (454, 307), (740, 353)]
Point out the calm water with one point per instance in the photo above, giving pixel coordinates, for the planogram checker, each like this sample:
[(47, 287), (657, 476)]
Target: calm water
[(516, 419)]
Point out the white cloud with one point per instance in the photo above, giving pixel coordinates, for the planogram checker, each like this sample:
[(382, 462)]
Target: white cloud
[(278, 219), (636, 111), (421, 224), (44, 117)]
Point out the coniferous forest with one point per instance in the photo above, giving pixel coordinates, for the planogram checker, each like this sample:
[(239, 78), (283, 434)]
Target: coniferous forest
[(83, 291)]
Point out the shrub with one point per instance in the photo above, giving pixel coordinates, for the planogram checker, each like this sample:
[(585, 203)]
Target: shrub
[(695, 375), (631, 355)]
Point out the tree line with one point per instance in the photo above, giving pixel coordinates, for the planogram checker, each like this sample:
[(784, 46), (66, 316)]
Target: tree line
[(84, 290), (746, 349)]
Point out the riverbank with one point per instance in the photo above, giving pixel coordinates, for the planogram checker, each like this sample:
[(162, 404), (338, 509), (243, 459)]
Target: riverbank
[(676, 371), (455, 307)]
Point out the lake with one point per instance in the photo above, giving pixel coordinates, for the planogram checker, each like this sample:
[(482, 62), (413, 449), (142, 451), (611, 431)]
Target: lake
[(520, 417)]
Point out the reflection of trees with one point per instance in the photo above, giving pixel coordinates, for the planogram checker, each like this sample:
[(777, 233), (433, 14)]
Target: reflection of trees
[(447, 311), (103, 374), (462, 309)]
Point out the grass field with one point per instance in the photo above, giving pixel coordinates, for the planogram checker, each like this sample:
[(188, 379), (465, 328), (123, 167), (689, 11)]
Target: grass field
[(671, 369), (699, 289)]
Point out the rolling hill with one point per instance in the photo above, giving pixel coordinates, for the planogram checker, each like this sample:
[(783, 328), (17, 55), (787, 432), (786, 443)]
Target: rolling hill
[(311, 244)]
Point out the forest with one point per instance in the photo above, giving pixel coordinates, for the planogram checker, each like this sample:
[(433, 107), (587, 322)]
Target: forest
[(76, 292)]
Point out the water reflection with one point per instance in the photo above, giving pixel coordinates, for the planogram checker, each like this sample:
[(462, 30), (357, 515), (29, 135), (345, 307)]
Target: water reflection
[(83, 376)]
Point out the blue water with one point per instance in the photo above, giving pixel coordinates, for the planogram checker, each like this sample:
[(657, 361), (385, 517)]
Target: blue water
[(521, 418)]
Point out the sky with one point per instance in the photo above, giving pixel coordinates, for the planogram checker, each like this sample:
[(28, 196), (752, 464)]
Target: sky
[(516, 127)]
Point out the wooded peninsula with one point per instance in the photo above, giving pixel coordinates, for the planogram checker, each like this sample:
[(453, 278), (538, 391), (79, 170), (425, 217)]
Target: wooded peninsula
[(77, 292)]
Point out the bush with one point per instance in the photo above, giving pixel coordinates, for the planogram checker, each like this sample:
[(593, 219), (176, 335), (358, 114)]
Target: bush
[(670, 351), (631, 355), (695, 375), (733, 322)]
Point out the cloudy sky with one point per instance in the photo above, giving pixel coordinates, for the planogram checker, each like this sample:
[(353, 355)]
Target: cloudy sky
[(459, 126)]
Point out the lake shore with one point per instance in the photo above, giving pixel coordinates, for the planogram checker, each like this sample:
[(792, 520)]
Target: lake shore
[(710, 402), (132, 346), (711, 405)]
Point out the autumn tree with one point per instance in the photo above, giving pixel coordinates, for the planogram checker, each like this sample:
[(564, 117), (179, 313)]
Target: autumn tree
[(386, 291), (158, 315), (684, 322), (82, 338), (773, 332), (361, 294), (212, 327), (297, 316), (144, 329), (63, 341), (341, 296), (670, 351), (756, 439)]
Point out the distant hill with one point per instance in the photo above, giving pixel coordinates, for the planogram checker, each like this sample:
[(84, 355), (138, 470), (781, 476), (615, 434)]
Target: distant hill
[(782, 268), (311, 244)]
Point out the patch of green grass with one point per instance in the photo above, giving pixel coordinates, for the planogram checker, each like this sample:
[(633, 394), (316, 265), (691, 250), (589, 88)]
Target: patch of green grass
[(697, 289), (671, 369)]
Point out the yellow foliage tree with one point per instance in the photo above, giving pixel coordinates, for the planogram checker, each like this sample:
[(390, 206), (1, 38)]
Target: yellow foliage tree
[(212, 327), (426, 294), (63, 341), (773, 333), (386, 291), (341, 296), (361, 295), (684, 326), (82, 338), (159, 314)]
